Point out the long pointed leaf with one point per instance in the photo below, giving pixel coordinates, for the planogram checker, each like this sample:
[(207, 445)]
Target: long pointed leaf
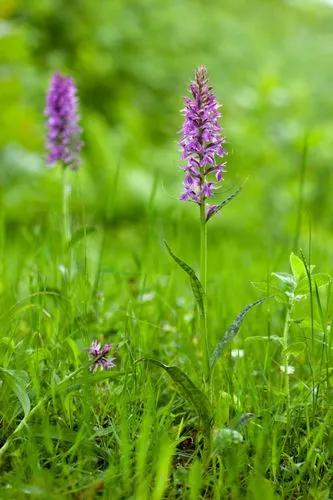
[(189, 390), (232, 331), (17, 381), (196, 285), (223, 204)]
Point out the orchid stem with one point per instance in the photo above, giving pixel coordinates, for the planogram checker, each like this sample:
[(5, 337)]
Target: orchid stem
[(203, 278), (65, 208), (285, 349)]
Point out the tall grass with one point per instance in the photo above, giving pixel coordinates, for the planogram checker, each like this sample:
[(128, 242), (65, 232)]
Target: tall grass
[(130, 432), (152, 427)]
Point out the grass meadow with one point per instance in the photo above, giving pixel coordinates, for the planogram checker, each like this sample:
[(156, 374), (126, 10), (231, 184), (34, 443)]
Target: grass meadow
[(83, 255)]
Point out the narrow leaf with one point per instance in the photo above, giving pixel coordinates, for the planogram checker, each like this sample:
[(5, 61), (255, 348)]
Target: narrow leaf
[(223, 204), (52, 292), (297, 267), (197, 289), (86, 380), (269, 289), (82, 232), (232, 331), (295, 349), (189, 390), (319, 279), (17, 381), (55, 432), (286, 278), (265, 338)]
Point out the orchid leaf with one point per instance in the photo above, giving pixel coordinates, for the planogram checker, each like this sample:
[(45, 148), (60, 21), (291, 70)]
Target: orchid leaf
[(196, 285), (189, 390), (232, 331)]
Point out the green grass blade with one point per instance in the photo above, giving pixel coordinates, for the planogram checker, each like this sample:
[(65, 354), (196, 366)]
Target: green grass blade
[(81, 233), (17, 381), (197, 288), (232, 331), (189, 390)]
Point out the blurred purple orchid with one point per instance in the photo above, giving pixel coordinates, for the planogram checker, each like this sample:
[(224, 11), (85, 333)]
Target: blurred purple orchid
[(202, 143), (63, 139), (98, 354)]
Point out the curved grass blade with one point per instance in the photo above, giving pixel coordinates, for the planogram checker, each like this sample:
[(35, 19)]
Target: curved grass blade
[(232, 331), (223, 204), (81, 233), (189, 390), (17, 381), (196, 285)]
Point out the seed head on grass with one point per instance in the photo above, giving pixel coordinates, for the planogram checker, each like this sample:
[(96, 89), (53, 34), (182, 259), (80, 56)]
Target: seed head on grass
[(202, 141), (63, 139), (99, 357)]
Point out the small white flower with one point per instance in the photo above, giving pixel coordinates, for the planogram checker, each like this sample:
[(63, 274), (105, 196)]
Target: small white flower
[(180, 301), (188, 317), (146, 297), (63, 269), (289, 370), (166, 327), (237, 353)]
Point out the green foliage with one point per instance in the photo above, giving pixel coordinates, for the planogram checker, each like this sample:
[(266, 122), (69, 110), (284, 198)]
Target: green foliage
[(223, 203), (81, 233), (17, 381), (127, 433), (298, 285), (197, 289), (189, 390), (232, 331)]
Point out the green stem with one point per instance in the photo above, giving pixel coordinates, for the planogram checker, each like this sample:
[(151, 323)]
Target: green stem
[(65, 209), (66, 247), (285, 348), (203, 247), (67, 233), (203, 279)]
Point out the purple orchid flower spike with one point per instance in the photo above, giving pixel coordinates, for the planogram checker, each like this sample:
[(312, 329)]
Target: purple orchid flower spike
[(99, 357), (63, 139), (202, 142)]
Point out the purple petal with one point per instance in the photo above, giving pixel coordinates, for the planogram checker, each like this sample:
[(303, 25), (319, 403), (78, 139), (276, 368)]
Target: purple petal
[(201, 140), (63, 140)]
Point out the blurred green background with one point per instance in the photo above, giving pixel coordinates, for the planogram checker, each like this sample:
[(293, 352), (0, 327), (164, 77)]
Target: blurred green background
[(270, 63)]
